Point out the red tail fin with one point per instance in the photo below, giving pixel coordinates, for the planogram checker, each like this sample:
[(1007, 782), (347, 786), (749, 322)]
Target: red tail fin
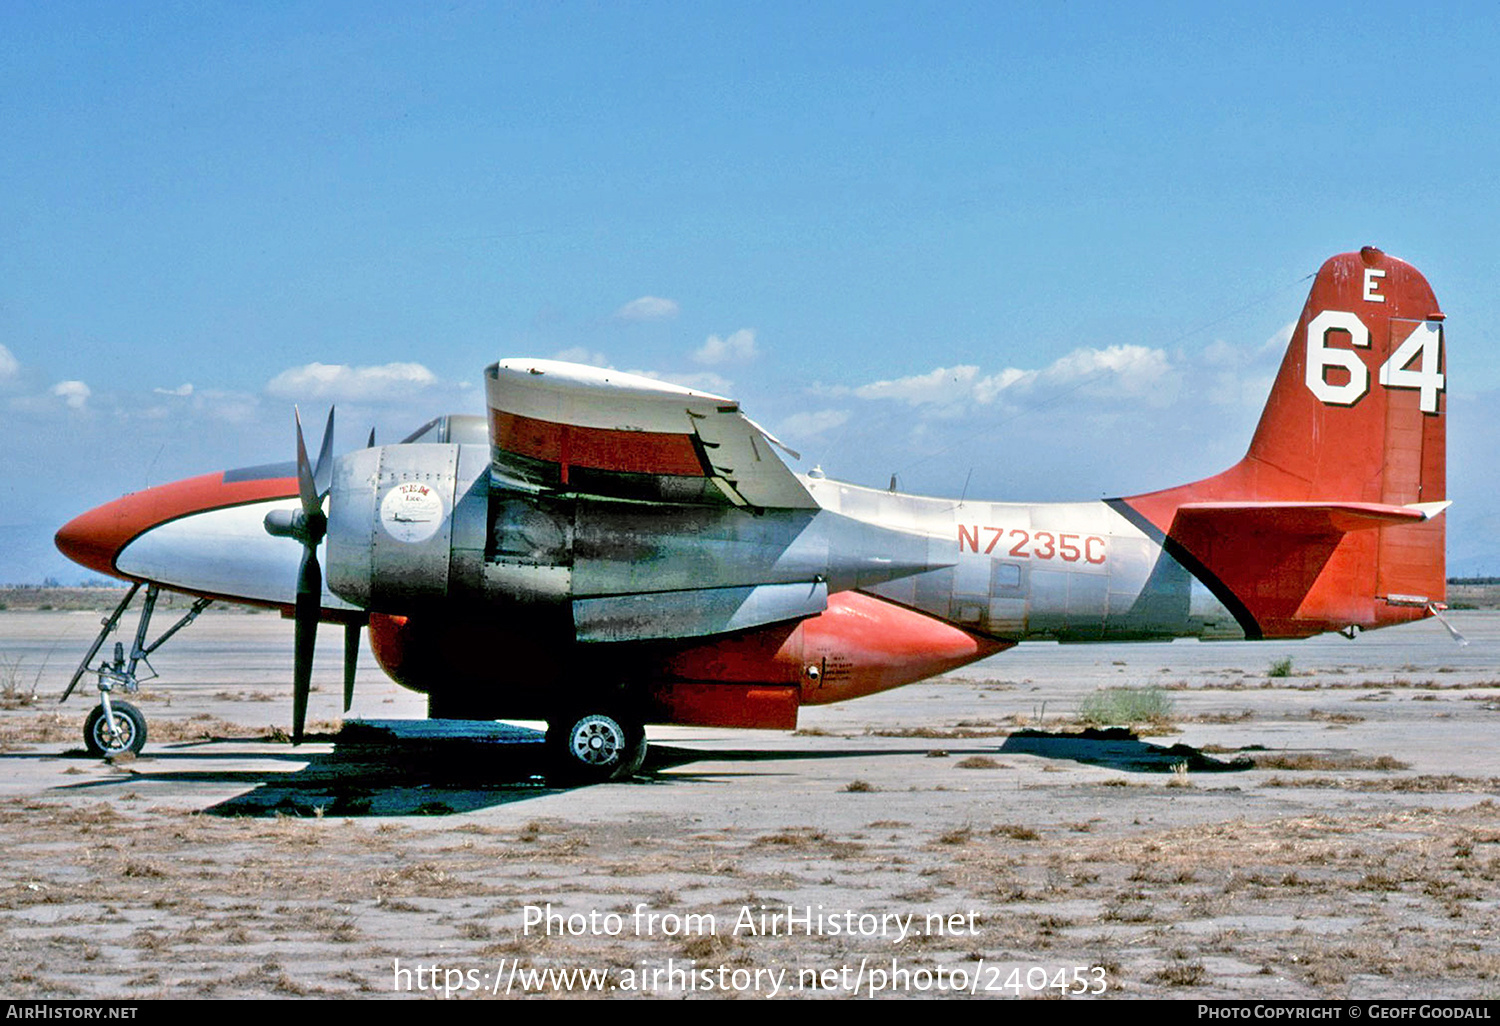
[(1356, 416)]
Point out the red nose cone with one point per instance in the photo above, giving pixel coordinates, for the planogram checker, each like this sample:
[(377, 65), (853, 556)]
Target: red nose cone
[(94, 539)]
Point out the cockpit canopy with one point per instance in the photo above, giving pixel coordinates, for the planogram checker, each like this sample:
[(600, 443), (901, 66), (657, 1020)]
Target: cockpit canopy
[(454, 428)]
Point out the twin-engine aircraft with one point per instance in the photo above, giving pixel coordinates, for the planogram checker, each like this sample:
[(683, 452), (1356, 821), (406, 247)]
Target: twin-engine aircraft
[(606, 551)]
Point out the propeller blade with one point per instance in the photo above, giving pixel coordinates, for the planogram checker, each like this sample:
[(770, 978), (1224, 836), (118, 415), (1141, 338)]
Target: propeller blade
[(307, 490), (351, 660), (371, 443), (323, 471), (308, 610)]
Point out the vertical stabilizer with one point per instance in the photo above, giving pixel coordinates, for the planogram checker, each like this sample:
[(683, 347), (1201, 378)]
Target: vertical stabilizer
[(1356, 416)]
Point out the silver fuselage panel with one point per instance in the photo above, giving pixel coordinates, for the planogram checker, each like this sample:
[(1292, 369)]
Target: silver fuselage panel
[(1075, 571), (1066, 571)]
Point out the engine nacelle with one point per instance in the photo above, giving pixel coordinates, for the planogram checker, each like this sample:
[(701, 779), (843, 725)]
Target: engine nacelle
[(416, 524), (406, 523)]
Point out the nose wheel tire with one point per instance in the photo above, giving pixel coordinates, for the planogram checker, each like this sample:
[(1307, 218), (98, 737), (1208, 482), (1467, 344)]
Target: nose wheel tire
[(102, 742), (594, 747)]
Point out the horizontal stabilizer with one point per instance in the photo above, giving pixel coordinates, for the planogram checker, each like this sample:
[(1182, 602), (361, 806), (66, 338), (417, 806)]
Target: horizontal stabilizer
[(1263, 559), (1306, 518), (700, 612)]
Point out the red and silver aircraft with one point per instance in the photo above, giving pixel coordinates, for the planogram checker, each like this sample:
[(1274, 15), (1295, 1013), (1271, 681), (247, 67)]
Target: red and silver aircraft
[(604, 551)]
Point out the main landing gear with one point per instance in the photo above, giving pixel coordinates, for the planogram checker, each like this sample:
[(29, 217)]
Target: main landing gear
[(593, 746), (115, 727)]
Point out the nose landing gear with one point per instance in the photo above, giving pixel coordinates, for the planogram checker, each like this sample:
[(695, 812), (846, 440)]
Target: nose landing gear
[(113, 727)]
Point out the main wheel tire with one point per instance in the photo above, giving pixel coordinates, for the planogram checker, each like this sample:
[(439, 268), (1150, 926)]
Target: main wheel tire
[(100, 742), (593, 747)]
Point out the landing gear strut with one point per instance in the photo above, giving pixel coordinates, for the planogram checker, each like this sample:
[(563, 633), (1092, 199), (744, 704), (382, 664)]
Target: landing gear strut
[(114, 727)]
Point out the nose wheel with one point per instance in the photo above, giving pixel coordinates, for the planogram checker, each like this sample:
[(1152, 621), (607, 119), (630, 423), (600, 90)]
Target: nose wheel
[(114, 729), (594, 747)]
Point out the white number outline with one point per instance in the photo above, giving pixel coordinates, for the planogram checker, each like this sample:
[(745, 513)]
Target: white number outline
[(1425, 341), (1320, 358)]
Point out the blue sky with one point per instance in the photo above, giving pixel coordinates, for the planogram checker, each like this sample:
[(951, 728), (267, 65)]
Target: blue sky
[(859, 219)]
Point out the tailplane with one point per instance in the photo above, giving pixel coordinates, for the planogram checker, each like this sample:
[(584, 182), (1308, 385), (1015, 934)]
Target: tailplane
[(1332, 519)]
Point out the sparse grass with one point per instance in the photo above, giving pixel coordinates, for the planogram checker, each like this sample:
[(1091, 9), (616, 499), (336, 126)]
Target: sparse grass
[(1333, 717), (16, 690), (977, 762), (956, 836), (1280, 668), (793, 837), (859, 787), (1324, 761), (1123, 707), (1180, 974), (1015, 831), (1179, 775), (1424, 784), (1128, 910), (1242, 716), (942, 733)]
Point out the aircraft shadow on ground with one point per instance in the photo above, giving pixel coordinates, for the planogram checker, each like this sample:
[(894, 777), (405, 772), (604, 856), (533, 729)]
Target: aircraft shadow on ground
[(1118, 748), (435, 767)]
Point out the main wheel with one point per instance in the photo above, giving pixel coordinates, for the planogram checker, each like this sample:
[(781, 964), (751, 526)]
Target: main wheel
[(98, 739), (592, 747)]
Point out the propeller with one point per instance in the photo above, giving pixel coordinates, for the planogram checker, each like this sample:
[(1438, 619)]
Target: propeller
[(307, 525)]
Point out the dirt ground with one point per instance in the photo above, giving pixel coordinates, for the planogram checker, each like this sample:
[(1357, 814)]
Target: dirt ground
[(1299, 820)]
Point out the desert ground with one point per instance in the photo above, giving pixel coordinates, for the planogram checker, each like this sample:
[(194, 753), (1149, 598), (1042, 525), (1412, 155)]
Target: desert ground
[(1314, 819)]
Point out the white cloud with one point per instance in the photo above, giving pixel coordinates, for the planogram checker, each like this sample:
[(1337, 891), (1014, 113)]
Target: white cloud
[(180, 390), (1130, 370), (738, 346), (226, 406), (986, 389), (811, 423), (1117, 370), (582, 354), (9, 365), (74, 393), (351, 384), (1237, 377), (648, 308), (943, 386)]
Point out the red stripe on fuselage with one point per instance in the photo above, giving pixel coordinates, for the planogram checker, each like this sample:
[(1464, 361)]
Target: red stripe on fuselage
[(96, 538), (626, 452)]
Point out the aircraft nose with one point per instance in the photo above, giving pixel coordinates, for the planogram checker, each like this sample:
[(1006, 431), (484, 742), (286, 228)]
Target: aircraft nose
[(95, 538)]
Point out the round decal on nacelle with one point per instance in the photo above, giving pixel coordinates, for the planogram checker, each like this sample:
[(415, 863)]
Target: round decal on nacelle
[(411, 512)]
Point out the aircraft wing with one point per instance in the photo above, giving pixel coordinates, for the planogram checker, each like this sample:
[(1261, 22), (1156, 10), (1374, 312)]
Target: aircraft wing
[(605, 432)]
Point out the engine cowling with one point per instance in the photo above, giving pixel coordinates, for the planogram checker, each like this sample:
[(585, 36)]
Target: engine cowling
[(412, 525)]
